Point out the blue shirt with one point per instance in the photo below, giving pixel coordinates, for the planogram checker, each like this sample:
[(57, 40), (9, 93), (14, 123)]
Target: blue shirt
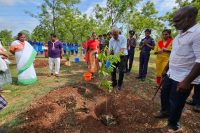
[(118, 44), (150, 41)]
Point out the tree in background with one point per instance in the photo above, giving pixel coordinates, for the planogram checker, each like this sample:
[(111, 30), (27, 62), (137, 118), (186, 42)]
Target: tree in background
[(145, 18), (181, 3), (6, 37), (115, 11)]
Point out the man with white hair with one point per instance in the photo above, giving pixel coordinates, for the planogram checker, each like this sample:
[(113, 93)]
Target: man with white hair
[(118, 45)]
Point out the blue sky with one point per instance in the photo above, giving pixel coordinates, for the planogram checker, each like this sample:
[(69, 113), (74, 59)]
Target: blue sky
[(13, 16)]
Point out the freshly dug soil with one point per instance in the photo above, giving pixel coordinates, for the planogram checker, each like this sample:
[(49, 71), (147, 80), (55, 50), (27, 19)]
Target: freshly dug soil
[(41, 63), (79, 110)]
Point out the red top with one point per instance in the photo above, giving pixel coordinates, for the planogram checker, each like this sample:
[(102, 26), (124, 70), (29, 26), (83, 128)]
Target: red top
[(161, 44), (85, 45), (93, 44)]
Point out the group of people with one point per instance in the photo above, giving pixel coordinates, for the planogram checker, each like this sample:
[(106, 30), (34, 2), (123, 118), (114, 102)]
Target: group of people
[(177, 61), (42, 47)]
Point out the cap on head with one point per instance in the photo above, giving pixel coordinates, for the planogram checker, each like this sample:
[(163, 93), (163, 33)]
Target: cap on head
[(132, 32)]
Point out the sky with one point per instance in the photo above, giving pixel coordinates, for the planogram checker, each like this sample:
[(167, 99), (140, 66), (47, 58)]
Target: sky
[(14, 18)]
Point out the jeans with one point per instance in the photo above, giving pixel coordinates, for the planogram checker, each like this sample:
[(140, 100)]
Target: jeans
[(196, 96), (172, 101), (130, 58), (122, 68), (144, 60)]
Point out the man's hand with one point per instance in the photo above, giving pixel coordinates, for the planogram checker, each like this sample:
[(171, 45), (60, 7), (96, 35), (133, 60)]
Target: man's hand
[(4, 57), (183, 86)]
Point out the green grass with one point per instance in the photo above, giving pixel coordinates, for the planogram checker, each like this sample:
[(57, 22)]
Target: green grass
[(21, 97)]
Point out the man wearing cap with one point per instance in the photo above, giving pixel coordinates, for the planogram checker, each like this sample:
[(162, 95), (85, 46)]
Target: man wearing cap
[(146, 45), (131, 44)]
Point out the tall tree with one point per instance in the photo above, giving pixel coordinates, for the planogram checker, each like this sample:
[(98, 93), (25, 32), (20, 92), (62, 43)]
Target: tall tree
[(145, 18), (115, 11), (6, 37), (181, 3)]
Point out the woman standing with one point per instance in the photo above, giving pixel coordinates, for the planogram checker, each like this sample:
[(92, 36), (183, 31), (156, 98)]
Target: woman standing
[(163, 50), (5, 76), (93, 50), (25, 55)]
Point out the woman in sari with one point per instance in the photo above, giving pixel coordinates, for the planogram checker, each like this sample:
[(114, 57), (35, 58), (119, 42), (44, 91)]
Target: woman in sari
[(5, 76), (25, 55), (163, 50), (93, 50)]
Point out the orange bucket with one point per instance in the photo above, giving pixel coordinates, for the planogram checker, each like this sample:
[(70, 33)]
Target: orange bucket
[(87, 76)]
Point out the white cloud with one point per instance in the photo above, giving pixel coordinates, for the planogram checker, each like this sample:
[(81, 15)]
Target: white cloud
[(11, 2), (167, 5), (90, 9), (14, 2), (18, 25)]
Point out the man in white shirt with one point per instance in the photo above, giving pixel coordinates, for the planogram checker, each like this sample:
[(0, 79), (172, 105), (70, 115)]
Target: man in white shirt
[(118, 45), (184, 66)]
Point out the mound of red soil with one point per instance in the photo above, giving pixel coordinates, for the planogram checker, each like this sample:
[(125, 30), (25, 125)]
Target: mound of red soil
[(62, 110), (40, 63)]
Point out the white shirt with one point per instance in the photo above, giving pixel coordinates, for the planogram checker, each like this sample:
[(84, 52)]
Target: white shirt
[(118, 44), (185, 53)]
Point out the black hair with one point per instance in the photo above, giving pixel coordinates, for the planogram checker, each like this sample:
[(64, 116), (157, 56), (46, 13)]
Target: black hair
[(109, 33), (19, 35), (191, 11), (167, 30), (100, 35), (104, 34), (53, 35), (148, 30)]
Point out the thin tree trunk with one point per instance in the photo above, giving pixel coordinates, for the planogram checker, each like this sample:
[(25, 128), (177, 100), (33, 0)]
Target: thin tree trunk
[(54, 27)]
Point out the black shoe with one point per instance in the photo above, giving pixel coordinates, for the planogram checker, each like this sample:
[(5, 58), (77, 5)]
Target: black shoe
[(174, 129), (197, 108), (138, 77), (143, 79), (119, 88), (190, 102), (160, 115), (114, 85)]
